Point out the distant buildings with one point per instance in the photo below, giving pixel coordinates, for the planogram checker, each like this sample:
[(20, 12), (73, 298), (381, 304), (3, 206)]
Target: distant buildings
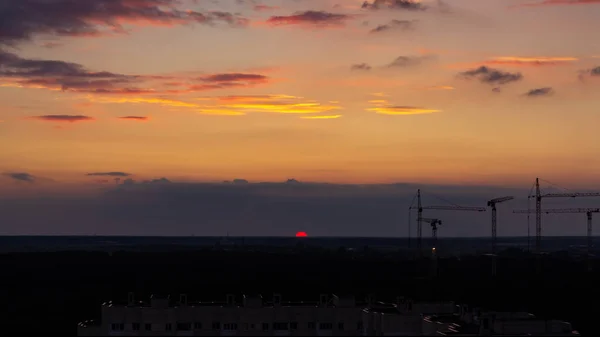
[(330, 316)]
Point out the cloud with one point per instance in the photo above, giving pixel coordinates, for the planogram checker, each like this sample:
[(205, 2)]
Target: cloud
[(311, 18), (360, 66), (558, 3), (322, 117), (108, 174), (135, 118), (63, 118), (440, 87), (264, 8), (408, 61), (24, 19), (547, 91), (531, 61), (56, 75), (20, 176), (234, 105), (593, 72), (402, 25), (413, 5), (383, 107), (492, 76)]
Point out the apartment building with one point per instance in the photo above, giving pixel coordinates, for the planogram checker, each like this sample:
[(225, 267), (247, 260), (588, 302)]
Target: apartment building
[(331, 315)]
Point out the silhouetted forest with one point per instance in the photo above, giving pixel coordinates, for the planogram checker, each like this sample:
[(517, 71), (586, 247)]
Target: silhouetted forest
[(50, 292)]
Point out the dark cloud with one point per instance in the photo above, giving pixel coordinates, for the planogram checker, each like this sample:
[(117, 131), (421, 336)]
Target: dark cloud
[(274, 209), (109, 174), (135, 118), (234, 77), (313, 18), (264, 8), (594, 72), (540, 92), (394, 4), (63, 118), (68, 76), (360, 66), (492, 76), (23, 19), (408, 61), (21, 176), (395, 25)]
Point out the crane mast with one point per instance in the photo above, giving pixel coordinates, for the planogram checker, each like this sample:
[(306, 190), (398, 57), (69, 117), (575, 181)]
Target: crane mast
[(420, 218), (492, 203), (588, 212), (538, 208)]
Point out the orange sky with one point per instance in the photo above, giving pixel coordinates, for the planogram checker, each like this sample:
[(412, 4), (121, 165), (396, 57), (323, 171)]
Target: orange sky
[(462, 91)]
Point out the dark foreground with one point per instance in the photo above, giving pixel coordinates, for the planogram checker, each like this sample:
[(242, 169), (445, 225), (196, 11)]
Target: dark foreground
[(49, 293)]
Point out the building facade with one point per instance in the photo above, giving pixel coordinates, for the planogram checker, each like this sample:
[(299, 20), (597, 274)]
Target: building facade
[(331, 315)]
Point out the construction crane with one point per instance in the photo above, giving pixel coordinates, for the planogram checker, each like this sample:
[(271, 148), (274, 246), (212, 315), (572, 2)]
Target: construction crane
[(588, 212), (492, 203), (434, 227), (420, 209), (538, 208)]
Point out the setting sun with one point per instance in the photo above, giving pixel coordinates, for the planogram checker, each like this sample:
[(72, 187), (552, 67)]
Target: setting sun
[(301, 235)]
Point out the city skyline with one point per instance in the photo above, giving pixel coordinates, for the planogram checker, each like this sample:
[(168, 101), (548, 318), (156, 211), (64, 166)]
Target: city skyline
[(435, 92)]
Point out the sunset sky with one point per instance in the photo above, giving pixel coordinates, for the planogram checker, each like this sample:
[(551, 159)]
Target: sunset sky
[(462, 92)]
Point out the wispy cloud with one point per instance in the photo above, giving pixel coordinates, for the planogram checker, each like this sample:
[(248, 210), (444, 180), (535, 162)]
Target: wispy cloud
[(63, 118), (360, 66), (233, 105), (63, 76), (320, 19), (264, 8), (385, 108), (22, 20), (395, 25), (439, 87), (492, 76), (558, 3), (530, 61), (135, 118), (409, 61), (412, 5), (20, 176), (547, 91), (109, 174), (322, 117)]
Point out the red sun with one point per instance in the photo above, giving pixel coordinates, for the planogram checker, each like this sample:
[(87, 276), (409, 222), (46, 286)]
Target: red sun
[(301, 235)]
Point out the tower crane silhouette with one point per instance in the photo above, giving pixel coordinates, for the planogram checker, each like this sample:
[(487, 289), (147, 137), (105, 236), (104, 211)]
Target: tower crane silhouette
[(538, 208), (434, 227), (492, 203), (420, 218), (588, 211)]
